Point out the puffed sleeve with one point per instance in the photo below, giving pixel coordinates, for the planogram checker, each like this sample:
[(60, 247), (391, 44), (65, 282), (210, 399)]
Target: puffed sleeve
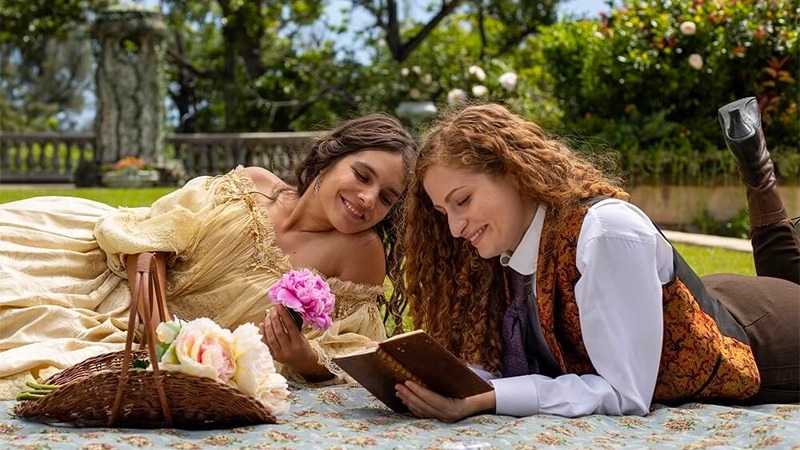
[(170, 225), (357, 325)]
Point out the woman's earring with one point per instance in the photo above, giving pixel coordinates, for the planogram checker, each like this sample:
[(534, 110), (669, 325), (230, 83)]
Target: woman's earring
[(316, 186)]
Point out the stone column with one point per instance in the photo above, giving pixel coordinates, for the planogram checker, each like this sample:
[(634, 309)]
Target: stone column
[(130, 85)]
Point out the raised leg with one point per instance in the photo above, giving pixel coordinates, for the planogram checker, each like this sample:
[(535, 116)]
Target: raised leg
[(776, 245)]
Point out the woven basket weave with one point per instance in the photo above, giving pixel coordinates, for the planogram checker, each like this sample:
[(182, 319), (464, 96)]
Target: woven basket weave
[(105, 391)]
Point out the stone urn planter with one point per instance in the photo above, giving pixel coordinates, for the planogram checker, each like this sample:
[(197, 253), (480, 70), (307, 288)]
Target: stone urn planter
[(130, 178), (416, 111)]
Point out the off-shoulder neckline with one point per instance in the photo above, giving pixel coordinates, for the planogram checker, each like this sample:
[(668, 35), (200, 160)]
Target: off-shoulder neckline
[(248, 188)]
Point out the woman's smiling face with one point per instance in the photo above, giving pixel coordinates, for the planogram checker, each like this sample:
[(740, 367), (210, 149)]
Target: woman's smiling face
[(361, 188), (486, 210)]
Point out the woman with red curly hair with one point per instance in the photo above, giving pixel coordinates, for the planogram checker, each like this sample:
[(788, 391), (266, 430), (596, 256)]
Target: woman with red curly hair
[(568, 298)]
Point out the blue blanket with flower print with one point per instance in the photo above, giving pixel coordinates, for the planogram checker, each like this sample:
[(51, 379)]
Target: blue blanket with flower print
[(349, 417)]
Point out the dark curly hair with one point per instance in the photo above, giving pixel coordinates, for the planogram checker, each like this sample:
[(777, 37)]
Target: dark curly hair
[(371, 132)]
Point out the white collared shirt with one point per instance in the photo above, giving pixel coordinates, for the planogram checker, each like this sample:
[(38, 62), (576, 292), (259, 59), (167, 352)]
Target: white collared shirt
[(623, 261), (523, 260)]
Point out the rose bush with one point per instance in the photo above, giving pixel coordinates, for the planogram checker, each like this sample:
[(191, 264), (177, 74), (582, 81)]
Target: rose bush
[(650, 75)]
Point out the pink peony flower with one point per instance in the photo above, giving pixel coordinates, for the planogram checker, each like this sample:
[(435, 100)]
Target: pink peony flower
[(306, 293)]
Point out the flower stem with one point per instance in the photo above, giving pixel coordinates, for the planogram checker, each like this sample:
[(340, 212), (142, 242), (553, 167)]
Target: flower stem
[(26, 395), (298, 319), (44, 387)]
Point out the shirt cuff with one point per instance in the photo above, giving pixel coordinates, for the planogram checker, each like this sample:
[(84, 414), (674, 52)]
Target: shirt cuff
[(485, 374), (516, 396)]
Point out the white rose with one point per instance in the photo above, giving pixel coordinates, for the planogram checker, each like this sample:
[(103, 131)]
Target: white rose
[(404, 71), (477, 72), (255, 370), (480, 90), (272, 391), (202, 349), (688, 28), (508, 80), (253, 358), (696, 61), (456, 96)]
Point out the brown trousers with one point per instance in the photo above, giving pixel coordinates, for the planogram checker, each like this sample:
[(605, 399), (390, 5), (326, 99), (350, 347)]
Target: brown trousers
[(768, 307), (776, 250)]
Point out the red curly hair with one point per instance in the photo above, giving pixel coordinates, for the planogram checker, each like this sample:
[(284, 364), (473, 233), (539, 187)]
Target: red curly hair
[(454, 294)]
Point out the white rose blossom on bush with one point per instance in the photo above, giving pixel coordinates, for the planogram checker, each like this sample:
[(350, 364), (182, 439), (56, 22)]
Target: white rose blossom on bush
[(239, 359), (508, 80), (688, 28), (696, 61), (480, 90), (416, 83), (456, 96), (477, 72), (502, 87)]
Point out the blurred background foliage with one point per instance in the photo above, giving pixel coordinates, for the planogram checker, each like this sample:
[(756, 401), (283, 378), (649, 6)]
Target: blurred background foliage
[(641, 82)]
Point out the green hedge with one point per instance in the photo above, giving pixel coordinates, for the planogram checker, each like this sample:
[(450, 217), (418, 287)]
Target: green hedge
[(647, 78)]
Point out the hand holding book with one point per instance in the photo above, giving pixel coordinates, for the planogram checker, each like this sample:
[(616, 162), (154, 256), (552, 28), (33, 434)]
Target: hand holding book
[(413, 356), (426, 404)]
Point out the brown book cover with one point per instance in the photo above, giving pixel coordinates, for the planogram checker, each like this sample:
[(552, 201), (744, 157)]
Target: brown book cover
[(411, 356)]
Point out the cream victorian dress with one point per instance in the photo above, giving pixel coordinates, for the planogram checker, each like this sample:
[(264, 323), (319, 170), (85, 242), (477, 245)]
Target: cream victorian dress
[(64, 293)]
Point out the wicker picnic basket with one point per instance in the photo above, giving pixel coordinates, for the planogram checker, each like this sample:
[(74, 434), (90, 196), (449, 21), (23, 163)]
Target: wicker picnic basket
[(103, 391)]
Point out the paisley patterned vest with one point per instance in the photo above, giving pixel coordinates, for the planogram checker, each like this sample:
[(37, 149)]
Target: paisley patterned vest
[(705, 353)]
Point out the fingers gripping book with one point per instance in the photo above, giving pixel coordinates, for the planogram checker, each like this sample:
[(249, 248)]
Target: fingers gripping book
[(414, 356)]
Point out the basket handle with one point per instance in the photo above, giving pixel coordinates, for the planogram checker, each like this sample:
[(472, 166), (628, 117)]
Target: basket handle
[(146, 285)]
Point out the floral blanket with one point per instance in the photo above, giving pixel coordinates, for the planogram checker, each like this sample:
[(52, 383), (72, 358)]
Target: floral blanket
[(349, 417)]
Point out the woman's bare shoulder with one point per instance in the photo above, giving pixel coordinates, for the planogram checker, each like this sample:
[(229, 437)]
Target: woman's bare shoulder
[(366, 260), (264, 180)]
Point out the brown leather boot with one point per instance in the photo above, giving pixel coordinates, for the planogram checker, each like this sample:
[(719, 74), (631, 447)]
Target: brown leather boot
[(741, 127)]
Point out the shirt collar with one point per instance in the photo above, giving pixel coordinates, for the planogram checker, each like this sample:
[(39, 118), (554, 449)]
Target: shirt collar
[(525, 256)]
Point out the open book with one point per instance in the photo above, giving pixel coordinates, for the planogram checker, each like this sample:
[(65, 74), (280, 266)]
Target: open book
[(411, 356)]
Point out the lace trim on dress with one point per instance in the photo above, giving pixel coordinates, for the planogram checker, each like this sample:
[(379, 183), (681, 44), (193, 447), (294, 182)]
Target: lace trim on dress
[(350, 296), (325, 360), (237, 185)]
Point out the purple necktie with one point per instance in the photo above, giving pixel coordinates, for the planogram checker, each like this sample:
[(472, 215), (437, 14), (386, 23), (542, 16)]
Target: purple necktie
[(514, 322)]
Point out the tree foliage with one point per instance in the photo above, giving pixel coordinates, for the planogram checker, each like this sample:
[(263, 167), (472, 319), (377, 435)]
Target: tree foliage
[(256, 65), (45, 62)]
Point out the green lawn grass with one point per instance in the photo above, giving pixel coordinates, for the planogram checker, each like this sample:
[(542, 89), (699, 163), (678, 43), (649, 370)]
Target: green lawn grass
[(709, 260), (704, 260), (114, 197)]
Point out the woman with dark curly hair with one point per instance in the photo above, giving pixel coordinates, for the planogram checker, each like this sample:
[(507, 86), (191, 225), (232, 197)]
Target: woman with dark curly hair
[(537, 271), (221, 243)]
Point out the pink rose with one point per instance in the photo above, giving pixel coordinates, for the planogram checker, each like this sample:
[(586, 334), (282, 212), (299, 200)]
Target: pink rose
[(306, 293), (200, 348)]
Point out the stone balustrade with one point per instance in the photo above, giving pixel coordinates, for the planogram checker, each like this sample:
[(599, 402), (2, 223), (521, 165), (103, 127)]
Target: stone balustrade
[(52, 157)]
